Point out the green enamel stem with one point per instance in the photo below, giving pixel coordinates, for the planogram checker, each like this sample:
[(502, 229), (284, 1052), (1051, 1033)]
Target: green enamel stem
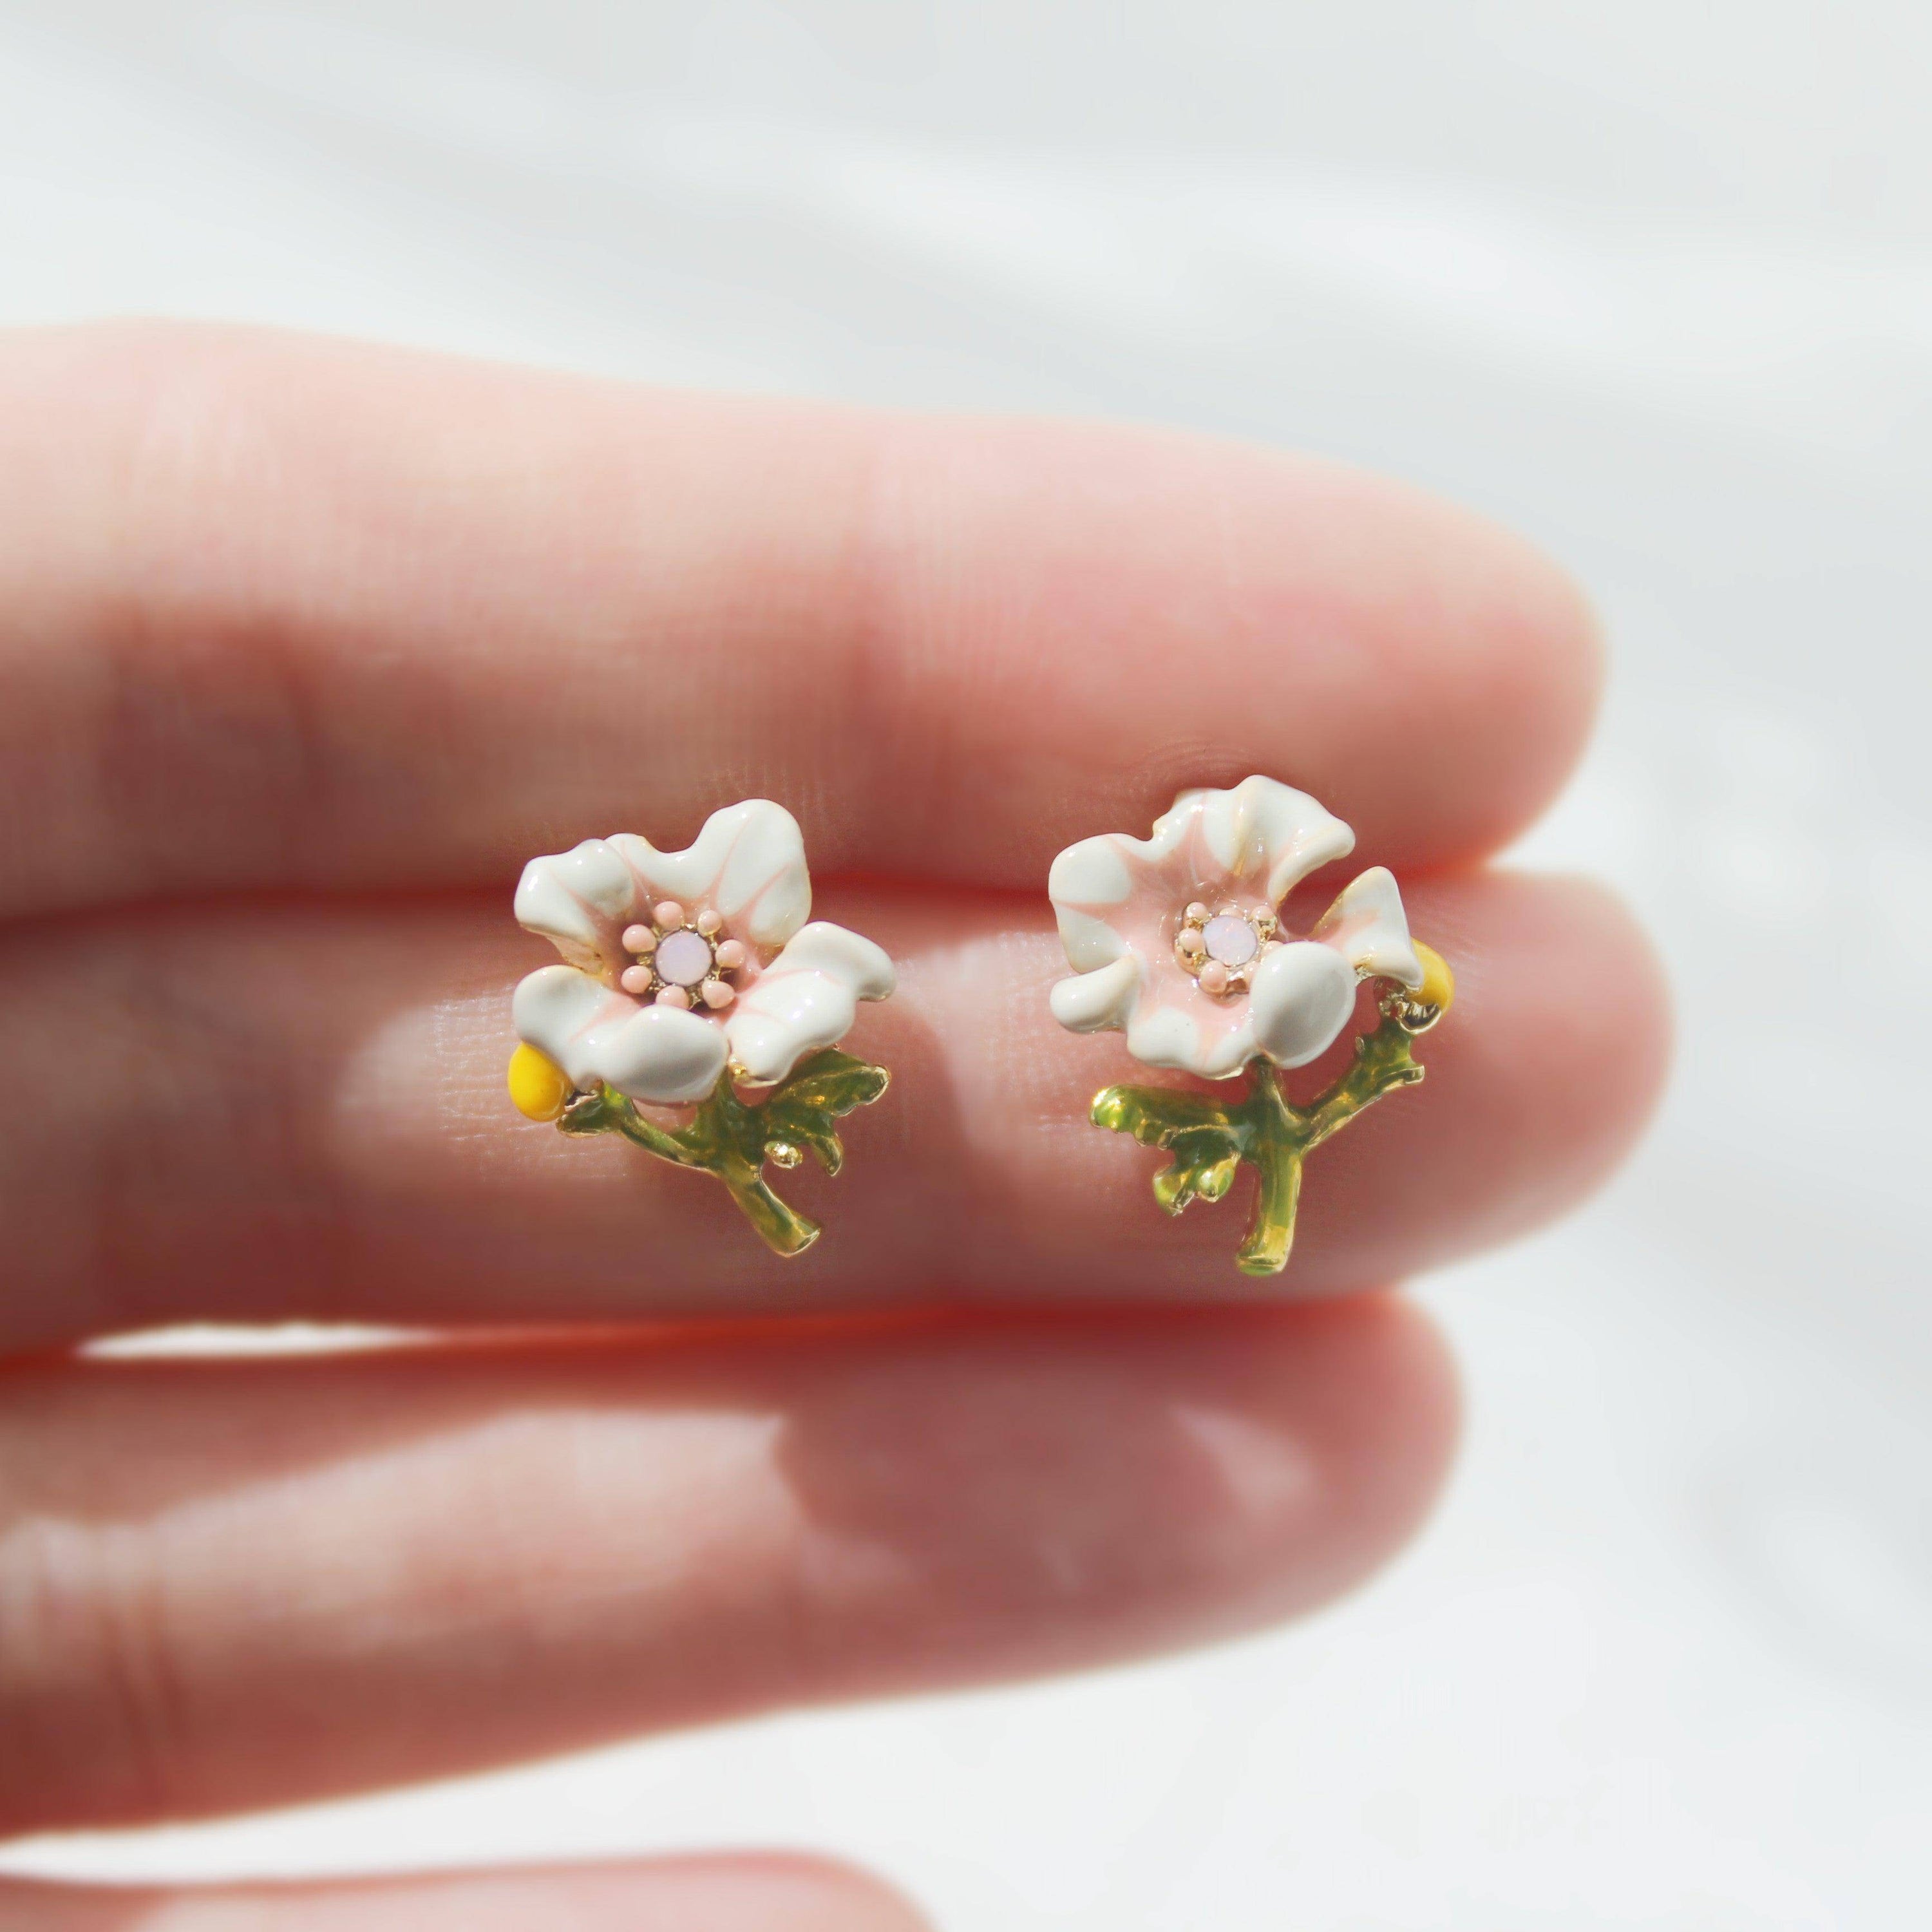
[(730, 1142), (625, 1119), (1383, 1062), (1280, 1140), (1263, 1130), (784, 1230)]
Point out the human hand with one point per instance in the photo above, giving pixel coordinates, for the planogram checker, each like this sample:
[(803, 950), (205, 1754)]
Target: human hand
[(303, 649)]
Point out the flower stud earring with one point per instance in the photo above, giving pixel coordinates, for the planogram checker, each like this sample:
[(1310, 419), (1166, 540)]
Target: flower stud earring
[(690, 978), (1176, 940)]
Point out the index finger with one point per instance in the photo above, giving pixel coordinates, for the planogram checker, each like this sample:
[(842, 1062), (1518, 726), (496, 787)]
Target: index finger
[(279, 613)]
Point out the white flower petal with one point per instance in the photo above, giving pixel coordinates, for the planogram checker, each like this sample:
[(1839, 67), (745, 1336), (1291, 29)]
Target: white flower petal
[(659, 1054), (1092, 1002), (1090, 943), (1172, 829), (1265, 830), (1094, 872), (1367, 926), (806, 999), (553, 1006), (749, 861), (1301, 998), (566, 895), (1117, 899), (1168, 1035)]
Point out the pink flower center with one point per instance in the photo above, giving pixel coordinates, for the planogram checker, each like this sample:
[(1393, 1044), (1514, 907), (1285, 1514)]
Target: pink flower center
[(1219, 948), (675, 958)]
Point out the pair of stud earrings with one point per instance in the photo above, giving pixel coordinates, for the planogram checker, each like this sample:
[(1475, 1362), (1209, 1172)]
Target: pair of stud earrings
[(698, 1008)]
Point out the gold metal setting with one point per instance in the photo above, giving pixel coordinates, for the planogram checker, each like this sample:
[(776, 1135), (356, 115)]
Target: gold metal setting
[(1412, 1016)]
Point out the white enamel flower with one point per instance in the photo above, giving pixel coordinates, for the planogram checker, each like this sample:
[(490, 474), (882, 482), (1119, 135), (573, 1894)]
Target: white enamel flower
[(679, 964), (1175, 939)]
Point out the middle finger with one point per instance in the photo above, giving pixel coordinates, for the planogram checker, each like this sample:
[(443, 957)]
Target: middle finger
[(270, 1113)]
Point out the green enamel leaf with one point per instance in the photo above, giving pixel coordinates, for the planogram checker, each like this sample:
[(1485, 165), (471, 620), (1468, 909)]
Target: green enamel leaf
[(830, 1082), (800, 1113), (1154, 1115), (1205, 1160), (821, 1141)]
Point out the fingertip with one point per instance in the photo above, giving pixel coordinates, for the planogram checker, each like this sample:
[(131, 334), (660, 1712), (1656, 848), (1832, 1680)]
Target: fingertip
[(1592, 1040), (1493, 661), (1619, 1002), (786, 1891), (1540, 1080), (1550, 657), (1171, 610), (1367, 1387), (727, 1892), (845, 1897)]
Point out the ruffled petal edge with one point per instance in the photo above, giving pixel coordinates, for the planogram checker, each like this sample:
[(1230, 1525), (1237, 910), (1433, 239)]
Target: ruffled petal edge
[(1369, 927), (806, 999), (747, 861)]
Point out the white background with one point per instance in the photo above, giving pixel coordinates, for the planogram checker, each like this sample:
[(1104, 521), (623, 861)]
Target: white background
[(1649, 280)]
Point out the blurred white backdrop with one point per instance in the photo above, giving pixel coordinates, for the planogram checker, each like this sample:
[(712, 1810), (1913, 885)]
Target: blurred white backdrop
[(1652, 282)]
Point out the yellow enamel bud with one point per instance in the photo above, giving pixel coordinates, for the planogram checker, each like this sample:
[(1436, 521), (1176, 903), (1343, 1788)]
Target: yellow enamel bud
[(1439, 984), (538, 1087)]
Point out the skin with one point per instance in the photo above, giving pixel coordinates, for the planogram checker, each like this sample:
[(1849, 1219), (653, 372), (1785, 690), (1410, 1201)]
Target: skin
[(303, 649)]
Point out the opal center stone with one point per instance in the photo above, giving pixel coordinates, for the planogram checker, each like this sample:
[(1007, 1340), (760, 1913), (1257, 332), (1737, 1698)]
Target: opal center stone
[(684, 958), (1231, 939)]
